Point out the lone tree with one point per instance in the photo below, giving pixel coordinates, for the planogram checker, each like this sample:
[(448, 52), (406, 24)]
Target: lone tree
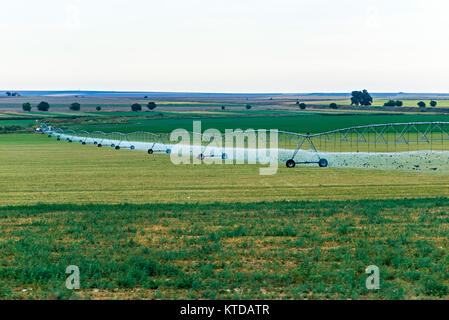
[(421, 104), (43, 106), (151, 105), (248, 107), (26, 106), (302, 105), (333, 105), (361, 98), (98, 108), (75, 106), (136, 107), (433, 103)]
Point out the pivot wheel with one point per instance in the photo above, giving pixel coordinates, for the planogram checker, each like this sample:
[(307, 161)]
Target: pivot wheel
[(150, 151), (323, 163), (290, 163)]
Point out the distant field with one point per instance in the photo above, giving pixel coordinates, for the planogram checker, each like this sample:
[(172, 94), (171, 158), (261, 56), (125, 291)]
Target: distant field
[(306, 122), (414, 103), (22, 123), (380, 102)]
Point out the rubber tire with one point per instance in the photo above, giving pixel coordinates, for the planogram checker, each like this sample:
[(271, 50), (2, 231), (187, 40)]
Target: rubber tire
[(323, 163), (132, 147), (290, 163), (117, 148), (95, 142), (83, 142), (70, 140), (99, 145), (150, 151), (112, 145)]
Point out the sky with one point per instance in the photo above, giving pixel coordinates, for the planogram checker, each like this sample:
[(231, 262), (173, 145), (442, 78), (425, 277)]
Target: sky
[(225, 45)]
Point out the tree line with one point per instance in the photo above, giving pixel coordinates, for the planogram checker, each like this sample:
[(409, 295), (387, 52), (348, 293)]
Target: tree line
[(75, 106)]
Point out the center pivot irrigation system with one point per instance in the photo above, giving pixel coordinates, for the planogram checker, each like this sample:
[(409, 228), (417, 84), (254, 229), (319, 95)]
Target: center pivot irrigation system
[(294, 148)]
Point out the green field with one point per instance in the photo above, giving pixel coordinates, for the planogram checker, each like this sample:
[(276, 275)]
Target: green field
[(139, 226), (36, 169), (306, 122), (277, 250)]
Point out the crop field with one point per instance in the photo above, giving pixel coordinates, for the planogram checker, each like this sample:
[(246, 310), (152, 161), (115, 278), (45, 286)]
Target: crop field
[(306, 122), (227, 250), (36, 169), (140, 227)]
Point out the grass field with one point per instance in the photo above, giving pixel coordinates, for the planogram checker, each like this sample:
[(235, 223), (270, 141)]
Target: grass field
[(140, 227), (37, 169), (277, 250)]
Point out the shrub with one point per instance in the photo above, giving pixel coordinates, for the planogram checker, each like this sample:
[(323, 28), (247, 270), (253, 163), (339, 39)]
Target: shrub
[(333, 105), (43, 106), (151, 105), (26, 106), (390, 103), (98, 108), (75, 106), (136, 107), (302, 106), (433, 103), (393, 103), (421, 104), (222, 107), (248, 107)]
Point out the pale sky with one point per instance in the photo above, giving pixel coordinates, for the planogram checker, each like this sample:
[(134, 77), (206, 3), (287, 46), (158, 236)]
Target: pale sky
[(225, 45)]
